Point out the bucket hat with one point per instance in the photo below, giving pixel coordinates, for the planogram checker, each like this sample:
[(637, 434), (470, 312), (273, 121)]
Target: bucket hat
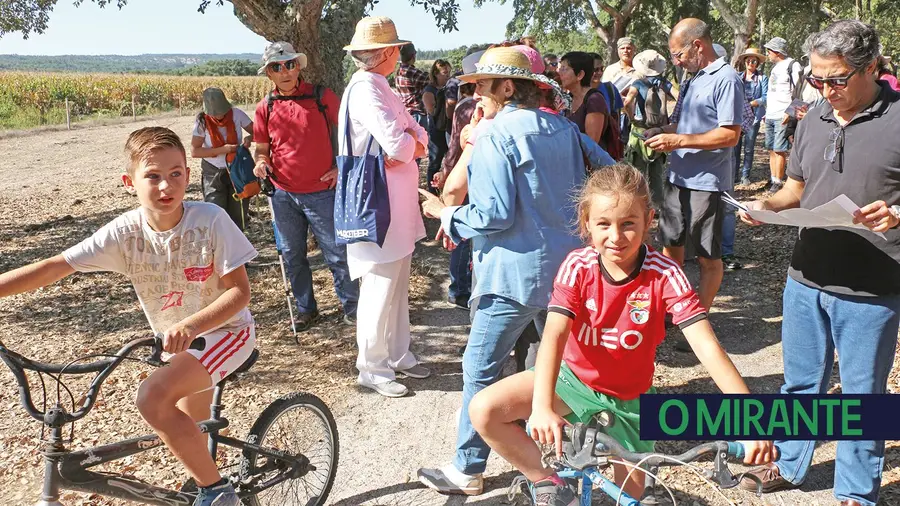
[(374, 32), (778, 45), (214, 102), (280, 52), (649, 63)]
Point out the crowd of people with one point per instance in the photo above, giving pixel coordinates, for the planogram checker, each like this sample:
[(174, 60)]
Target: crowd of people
[(581, 292)]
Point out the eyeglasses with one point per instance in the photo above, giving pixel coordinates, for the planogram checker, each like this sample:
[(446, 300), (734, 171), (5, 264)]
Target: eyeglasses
[(836, 148), (836, 83), (554, 64), (677, 56), (288, 65), (598, 70)]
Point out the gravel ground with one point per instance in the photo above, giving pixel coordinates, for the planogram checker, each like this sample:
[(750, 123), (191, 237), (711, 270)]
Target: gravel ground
[(56, 187)]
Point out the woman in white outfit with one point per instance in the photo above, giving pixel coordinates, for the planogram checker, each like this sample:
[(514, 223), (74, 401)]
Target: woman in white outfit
[(382, 326)]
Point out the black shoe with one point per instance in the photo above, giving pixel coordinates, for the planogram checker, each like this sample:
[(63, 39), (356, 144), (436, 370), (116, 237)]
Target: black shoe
[(730, 263), (306, 320), (460, 302), (774, 186)]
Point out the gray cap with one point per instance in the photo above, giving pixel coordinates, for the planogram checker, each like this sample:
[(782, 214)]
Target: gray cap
[(624, 41), (279, 52), (778, 45), (214, 102)]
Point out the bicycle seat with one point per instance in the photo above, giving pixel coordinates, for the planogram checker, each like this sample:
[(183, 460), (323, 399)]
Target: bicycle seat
[(245, 366)]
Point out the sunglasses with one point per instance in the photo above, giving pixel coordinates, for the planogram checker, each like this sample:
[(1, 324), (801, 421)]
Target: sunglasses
[(289, 65), (836, 83), (835, 149)]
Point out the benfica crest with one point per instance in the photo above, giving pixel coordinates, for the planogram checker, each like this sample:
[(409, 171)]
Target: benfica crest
[(640, 311)]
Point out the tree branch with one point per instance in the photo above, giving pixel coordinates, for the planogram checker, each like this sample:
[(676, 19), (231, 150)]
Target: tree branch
[(265, 17), (629, 8), (730, 17), (750, 15), (609, 9), (588, 10)]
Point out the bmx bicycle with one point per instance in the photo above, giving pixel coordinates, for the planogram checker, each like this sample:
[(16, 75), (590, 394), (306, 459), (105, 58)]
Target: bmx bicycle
[(272, 469), (587, 450)]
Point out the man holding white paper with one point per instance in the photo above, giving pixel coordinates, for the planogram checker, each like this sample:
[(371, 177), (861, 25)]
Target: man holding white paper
[(843, 287)]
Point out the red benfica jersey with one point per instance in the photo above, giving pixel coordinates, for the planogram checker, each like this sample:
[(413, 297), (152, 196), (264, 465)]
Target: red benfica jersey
[(617, 325)]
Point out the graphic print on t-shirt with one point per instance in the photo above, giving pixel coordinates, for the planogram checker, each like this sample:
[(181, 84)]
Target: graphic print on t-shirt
[(617, 325)]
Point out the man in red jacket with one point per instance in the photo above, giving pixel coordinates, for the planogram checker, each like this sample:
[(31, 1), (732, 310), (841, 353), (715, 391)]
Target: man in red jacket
[(293, 139)]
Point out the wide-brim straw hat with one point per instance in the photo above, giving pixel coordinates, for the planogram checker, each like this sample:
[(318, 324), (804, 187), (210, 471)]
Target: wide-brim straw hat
[(649, 63), (505, 63), (755, 53), (374, 32)]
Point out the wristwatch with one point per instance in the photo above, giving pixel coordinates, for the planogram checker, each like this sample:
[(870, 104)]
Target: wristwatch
[(895, 212)]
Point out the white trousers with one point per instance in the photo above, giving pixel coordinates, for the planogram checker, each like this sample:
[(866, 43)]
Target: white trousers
[(382, 322)]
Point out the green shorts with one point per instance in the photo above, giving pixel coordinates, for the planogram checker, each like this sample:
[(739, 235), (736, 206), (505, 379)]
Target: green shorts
[(585, 402)]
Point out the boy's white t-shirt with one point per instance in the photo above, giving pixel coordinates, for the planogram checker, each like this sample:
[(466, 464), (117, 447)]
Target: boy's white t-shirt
[(175, 273), (241, 120), (778, 98)]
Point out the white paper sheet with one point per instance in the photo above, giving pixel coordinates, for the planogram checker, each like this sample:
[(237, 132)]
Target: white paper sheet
[(836, 213)]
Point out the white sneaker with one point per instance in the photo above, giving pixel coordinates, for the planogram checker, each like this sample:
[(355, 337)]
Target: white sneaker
[(416, 372), (448, 480), (388, 388)]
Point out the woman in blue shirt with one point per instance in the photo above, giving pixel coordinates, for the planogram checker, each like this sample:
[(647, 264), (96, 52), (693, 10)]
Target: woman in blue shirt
[(756, 86)]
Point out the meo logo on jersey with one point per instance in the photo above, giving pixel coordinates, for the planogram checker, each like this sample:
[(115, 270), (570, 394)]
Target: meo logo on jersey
[(610, 338), (640, 307)]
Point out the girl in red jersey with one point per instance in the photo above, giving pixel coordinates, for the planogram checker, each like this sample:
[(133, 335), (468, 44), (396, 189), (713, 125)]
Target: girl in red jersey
[(605, 320)]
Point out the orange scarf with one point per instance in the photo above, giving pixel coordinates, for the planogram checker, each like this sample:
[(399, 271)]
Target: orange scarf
[(215, 136)]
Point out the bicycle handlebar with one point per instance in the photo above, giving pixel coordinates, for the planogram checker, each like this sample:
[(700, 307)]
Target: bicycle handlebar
[(56, 418)]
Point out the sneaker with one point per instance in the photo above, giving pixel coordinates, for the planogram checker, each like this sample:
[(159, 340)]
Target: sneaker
[(448, 480), (388, 388), (745, 181), (306, 320), (221, 495), (349, 319), (730, 263), (460, 302), (548, 493), (770, 477), (774, 186), (416, 372)]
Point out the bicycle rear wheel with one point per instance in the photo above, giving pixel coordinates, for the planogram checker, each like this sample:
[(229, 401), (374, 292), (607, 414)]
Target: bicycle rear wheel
[(297, 424)]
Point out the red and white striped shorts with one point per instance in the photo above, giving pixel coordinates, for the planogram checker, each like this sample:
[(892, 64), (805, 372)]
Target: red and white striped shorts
[(225, 350)]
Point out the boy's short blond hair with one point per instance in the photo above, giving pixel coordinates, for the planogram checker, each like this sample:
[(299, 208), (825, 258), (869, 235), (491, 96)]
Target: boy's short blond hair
[(142, 143)]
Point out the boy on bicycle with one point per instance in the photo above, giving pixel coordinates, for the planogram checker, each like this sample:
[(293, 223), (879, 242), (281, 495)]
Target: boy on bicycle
[(186, 263)]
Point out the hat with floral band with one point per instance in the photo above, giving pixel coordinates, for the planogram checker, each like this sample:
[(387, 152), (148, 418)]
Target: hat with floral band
[(278, 52), (374, 32), (511, 63)]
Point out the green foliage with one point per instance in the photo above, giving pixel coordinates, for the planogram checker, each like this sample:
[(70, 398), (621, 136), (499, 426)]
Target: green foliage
[(117, 64), (221, 68)]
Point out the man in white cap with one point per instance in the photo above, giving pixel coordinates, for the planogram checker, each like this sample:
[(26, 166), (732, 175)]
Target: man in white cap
[(292, 125), (784, 77), (622, 72)]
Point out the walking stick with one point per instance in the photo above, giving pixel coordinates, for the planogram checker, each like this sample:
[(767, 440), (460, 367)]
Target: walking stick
[(269, 190)]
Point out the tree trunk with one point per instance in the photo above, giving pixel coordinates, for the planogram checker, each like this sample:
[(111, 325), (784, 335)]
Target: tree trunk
[(317, 28), (742, 24)]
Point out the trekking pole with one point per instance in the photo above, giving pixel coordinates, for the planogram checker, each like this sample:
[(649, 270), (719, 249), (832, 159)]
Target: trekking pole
[(278, 245)]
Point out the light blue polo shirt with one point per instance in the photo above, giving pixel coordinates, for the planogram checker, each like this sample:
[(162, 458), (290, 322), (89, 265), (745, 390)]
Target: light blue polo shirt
[(714, 98)]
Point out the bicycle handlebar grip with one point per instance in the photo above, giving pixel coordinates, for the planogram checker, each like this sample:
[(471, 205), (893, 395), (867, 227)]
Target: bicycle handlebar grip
[(735, 450)]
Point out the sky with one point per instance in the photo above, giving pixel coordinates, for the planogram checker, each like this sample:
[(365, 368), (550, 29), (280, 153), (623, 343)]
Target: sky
[(175, 26)]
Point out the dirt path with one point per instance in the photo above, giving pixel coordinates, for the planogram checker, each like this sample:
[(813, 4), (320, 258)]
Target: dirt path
[(57, 187)]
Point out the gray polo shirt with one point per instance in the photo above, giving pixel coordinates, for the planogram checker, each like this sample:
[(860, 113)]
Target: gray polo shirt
[(714, 98), (867, 169)]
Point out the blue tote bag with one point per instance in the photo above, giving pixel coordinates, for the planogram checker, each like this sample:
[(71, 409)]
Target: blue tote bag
[(362, 210)]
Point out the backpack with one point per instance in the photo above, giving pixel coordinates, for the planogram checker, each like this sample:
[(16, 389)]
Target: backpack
[(796, 90), (439, 119), (612, 134), (651, 103), (318, 92), (245, 182)]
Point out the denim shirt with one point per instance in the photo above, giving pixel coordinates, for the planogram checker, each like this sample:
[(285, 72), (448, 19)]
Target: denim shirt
[(521, 215), (756, 89)]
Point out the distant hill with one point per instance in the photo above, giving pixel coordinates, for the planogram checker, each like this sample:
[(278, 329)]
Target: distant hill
[(144, 63)]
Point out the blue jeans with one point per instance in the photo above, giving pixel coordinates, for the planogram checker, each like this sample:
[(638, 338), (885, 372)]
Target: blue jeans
[(460, 275), (729, 222), (437, 149), (295, 214), (746, 145), (863, 330), (496, 327)]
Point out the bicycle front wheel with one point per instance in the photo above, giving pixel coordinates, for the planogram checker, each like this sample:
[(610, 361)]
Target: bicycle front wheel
[(297, 424)]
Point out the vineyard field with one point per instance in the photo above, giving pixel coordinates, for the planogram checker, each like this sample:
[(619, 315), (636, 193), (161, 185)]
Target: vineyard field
[(29, 99)]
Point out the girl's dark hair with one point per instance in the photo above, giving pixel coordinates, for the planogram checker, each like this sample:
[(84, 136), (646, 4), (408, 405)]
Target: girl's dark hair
[(201, 120), (548, 98), (580, 61), (435, 68)]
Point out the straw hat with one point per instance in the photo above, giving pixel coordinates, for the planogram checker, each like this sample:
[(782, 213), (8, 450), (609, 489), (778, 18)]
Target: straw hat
[(752, 51), (374, 32), (504, 62), (649, 63)]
